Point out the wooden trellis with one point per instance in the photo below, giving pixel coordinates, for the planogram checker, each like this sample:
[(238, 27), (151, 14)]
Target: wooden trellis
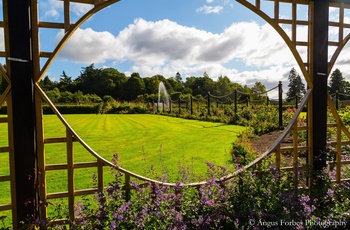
[(23, 97)]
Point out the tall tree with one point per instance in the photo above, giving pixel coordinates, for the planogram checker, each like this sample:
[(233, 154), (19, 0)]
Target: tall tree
[(133, 87), (257, 91), (46, 84), (65, 83), (337, 83), (223, 86), (296, 86), (178, 77)]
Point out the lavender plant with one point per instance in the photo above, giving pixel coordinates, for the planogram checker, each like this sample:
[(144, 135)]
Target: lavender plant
[(246, 202)]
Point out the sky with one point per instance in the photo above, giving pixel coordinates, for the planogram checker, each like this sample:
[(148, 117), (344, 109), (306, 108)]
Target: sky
[(192, 37)]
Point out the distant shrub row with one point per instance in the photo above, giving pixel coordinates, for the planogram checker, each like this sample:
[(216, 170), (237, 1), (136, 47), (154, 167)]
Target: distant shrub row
[(66, 109), (91, 109)]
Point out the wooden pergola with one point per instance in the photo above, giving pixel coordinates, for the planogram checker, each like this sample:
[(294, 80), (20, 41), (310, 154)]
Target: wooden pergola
[(24, 97)]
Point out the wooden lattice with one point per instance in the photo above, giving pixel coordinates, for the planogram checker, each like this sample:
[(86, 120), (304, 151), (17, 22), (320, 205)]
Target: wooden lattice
[(276, 21)]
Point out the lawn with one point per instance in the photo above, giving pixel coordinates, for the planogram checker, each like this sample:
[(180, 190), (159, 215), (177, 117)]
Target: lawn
[(161, 141), (166, 144)]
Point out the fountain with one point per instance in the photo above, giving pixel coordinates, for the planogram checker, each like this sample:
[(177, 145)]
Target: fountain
[(163, 97)]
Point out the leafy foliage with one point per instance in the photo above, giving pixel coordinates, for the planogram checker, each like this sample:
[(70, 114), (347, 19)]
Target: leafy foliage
[(249, 201)]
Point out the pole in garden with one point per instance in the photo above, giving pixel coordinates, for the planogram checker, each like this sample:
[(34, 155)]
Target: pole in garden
[(208, 103), (235, 101), (191, 104), (337, 100), (280, 117), (20, 68), (267, 100), (319, 74)]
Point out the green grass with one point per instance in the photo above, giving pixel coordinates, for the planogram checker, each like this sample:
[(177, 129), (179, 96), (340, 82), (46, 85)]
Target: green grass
[(145, 140), (141, 141)]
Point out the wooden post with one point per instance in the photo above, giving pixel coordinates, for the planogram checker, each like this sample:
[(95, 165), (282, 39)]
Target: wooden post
[(319, 73), (337, 100), (20, 69), (208, 103), (191, 104), (280, 117), (235, 101)]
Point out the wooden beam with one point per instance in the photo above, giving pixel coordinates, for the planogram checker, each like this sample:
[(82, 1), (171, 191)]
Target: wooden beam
[(23, 109)]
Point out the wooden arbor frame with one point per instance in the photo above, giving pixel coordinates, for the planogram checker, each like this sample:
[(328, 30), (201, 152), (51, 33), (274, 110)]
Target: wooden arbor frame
[(26, 140), (23, 71), (315, 67)]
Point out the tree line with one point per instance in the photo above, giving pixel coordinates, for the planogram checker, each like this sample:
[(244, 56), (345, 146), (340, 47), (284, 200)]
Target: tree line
[(101, 84), (95, 85)]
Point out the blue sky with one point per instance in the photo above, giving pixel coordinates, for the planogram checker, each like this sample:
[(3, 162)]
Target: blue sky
[(219, 37)]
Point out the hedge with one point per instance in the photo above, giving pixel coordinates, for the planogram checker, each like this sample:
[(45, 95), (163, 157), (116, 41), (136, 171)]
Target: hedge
[(66, 109)]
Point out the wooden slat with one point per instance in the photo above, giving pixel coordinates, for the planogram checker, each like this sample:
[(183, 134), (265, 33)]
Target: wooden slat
[(5, 178), (4, 149), (290, 148), (56, 167), (300, 43), (85, 165), (51, 25), (45, 54), (331, 43), (338, 155), (3, 119), (83, 192), (100, 175), (84, 1), (5, 207), (70, 164), (65, 194), (289, 21), (57, 195), (79, 165), (57, 140), (278, 157)]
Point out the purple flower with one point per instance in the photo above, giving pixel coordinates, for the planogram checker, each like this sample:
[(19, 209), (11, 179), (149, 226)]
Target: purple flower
[(113, 225), (330, 193), (210, 202)]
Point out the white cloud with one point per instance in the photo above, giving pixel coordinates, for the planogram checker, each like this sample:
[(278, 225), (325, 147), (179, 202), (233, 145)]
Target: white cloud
[(165, 47), (88, 46), (80, 9), (51, 8), (210, 9)]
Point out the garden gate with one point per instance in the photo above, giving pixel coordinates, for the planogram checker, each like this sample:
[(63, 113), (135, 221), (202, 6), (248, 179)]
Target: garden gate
[(23, 96)]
